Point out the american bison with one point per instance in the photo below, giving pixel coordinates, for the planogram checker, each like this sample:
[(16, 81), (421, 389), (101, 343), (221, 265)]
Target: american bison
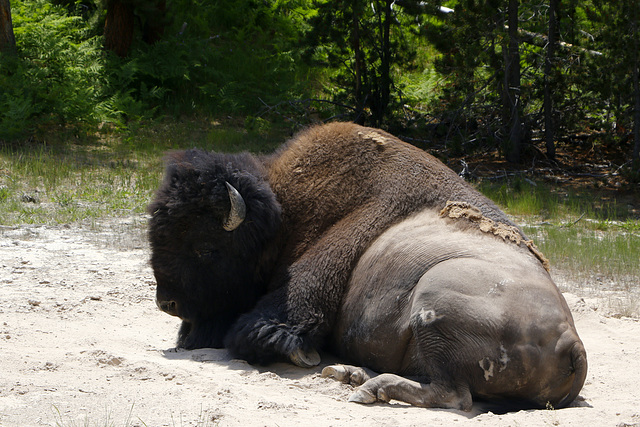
[(349, 239)]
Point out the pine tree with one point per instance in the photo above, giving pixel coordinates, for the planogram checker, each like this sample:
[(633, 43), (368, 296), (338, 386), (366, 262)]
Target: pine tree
[(119, 26), (549, 64), (635, 64), (121, 18), (619, 39), (512, 105), (480, 43), (7, 39), (361, 41)]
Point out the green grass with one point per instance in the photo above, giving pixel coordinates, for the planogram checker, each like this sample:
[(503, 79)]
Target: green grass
[(69, 178), (577, 231), (593, 243), (63, 184), (614, 253), (543, 202)]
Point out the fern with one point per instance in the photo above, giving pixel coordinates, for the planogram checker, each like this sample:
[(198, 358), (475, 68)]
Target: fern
[(58, 76), (227, 60)]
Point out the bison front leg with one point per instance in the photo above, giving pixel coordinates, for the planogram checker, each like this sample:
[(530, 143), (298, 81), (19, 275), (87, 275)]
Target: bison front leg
[(292, 321), (385, 387), (264, 335)]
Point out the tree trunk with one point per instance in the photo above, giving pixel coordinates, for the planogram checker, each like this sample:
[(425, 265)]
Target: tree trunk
[(385, 64), (511, 96), (358, 65), (636, 90), (7, 39), (118, 28), (155, 22), (549, 126)]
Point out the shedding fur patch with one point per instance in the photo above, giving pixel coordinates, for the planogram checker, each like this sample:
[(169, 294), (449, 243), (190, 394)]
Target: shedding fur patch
[(464, 210), (376, 137)]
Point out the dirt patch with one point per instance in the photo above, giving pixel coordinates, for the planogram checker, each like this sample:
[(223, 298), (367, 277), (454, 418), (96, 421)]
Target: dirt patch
[(82, 343)]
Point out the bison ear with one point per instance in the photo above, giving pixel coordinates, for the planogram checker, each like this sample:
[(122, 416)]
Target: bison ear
[(238, 209), (177, 167)]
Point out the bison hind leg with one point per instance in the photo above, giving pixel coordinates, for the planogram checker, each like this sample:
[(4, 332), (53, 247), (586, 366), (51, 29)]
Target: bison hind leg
[(386, 387)]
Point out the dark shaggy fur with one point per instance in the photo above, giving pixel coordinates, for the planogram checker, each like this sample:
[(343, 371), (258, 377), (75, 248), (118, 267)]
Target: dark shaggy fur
[(339, 185), (211, 274)]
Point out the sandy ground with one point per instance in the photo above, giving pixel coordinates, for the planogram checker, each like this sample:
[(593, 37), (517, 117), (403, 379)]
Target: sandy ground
[(82, 344)]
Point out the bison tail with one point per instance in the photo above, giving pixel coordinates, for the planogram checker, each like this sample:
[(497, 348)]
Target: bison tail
[(579, 364)]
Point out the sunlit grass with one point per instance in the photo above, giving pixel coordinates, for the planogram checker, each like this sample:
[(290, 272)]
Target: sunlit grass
[(543, 202), (586, 252), (59, 181), (63, 184), (578, 232), (593, 244)]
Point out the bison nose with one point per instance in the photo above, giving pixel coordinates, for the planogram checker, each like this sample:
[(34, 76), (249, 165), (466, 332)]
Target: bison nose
[(169, 307)]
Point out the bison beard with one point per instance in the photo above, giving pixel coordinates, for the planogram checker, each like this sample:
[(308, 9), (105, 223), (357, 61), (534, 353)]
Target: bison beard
[(263, 251)]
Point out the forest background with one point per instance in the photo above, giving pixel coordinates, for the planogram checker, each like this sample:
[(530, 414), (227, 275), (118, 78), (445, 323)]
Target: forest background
[(472, 75)]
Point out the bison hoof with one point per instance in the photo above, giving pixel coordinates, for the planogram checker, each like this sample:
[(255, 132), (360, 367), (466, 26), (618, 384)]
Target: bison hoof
[(337, 372), (305, 360), (346, 374), (362, 396)]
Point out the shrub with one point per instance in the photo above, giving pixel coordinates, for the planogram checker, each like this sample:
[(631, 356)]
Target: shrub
[(57, 76), (225, 60)]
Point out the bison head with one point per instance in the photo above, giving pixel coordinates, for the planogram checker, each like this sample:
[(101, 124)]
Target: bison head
[(212, 232)]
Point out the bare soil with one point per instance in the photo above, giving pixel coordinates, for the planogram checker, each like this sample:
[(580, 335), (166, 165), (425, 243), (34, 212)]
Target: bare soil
[(83, 344)]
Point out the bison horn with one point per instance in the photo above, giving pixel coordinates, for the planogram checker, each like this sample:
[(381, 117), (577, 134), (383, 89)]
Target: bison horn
[(238, 209)]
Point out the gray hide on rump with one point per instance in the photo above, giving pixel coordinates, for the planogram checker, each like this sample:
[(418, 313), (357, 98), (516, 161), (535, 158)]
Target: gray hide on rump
[(465, 312)]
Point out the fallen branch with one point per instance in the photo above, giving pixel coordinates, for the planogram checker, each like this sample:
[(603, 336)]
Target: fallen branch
[(414, 141), (542, 40), (574, 222)]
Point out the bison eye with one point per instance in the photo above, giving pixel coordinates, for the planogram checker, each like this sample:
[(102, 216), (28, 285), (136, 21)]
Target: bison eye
[(204, 252)]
